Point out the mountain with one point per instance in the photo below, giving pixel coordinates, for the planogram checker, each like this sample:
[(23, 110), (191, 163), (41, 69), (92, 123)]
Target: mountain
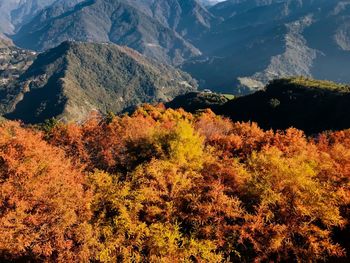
[(231, 8), (116, 21), (26, 9), (6, 7), (209, 2), (13, 61), (235, 46), (14, 13), (195, 101), (310, 105), (188, 18), (259, 40), (73, 79)]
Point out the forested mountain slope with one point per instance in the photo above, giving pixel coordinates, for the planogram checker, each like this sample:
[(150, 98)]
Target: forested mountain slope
[(74, 79), (117, 21), (262, 40), (310, 105), (235, 46)]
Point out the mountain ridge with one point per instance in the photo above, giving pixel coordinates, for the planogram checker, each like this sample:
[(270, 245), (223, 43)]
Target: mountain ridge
[(310, 105), (73, 79), (235, 46), (118, 22), (273, 39)]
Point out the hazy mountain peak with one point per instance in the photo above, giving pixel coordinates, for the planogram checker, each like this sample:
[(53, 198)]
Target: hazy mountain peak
[(227, 47), (119, 22)]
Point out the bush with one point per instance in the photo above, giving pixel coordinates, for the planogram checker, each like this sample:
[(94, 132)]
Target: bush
[(44, 208), (168, 186)]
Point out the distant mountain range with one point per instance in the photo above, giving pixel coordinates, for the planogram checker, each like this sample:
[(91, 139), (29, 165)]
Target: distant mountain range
[(259, 40), (74, 79), (160, 29), (15, 13), (209, 2), (234, 46)]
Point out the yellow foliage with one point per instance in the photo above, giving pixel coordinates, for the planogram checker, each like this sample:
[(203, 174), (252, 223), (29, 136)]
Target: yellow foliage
[(168, 186)]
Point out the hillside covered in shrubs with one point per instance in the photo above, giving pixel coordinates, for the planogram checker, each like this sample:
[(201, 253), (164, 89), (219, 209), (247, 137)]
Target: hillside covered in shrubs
[(73, 79), (310, 105), (169, 186)]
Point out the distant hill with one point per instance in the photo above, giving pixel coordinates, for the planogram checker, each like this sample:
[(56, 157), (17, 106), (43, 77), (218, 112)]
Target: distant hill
[(194, 101), (13, 62), (74, 79), (124, 22), (310, 105), (15, 13), (261, 40), (235, 46)]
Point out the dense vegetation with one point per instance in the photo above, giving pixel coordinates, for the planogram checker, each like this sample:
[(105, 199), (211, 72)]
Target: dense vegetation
[(195, 101), (73, 79), (168, 186), (228, 47), (310, 105)]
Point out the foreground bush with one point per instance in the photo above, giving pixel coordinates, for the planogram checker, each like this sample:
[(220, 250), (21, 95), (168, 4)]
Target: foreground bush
[(44, 209), (168, 186)]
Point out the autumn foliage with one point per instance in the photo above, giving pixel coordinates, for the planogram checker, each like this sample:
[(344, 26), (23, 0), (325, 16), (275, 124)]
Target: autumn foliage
[(168, 186), (44, 208)]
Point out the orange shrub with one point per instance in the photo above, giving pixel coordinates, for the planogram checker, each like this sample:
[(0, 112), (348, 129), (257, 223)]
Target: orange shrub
[(169, 186), (44, 209)]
